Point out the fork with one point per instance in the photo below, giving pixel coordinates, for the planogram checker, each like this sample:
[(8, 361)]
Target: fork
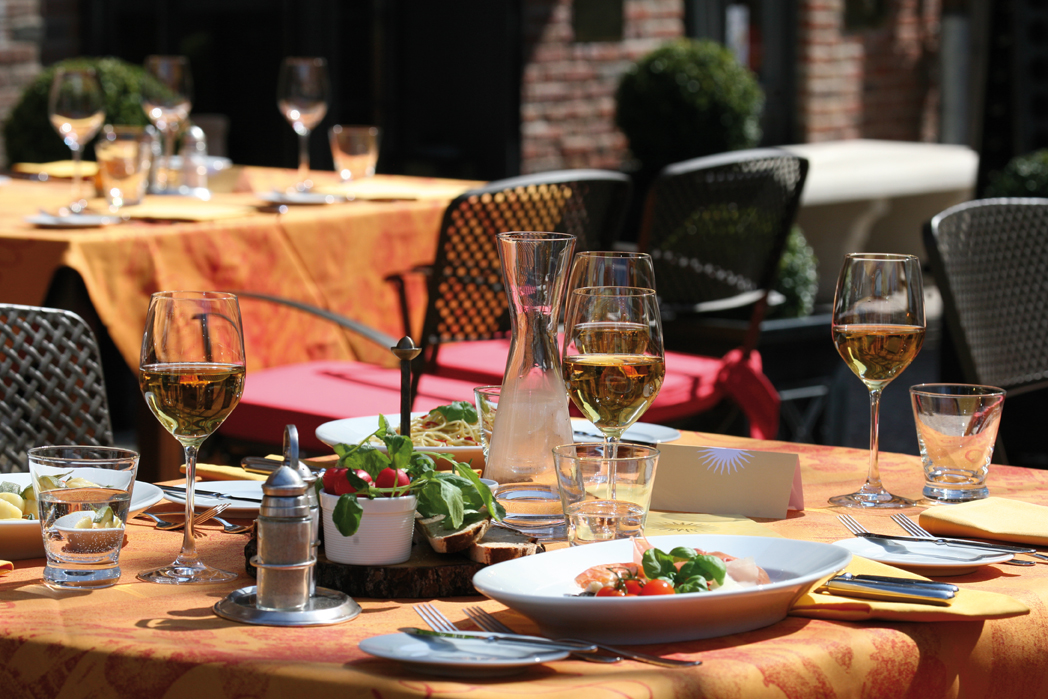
[(489, 623), (914, 529), (858, 530), (477, 614), (164, 525), (230, 528)]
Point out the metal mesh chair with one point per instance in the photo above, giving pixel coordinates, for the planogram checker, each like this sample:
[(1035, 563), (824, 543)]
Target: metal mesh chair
[(51, 385), (715, 228), (990, 261)]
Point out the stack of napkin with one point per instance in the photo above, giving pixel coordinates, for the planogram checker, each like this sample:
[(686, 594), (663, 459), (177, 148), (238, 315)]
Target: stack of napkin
[(999, 519)]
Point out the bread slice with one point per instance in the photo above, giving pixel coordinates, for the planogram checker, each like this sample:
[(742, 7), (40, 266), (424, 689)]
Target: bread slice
[(444, 541), (500, 544)]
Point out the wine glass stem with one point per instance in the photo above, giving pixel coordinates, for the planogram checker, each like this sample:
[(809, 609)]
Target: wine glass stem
[(873, 478), (76, 178), (611, 450), (188, 555), (303, 160)]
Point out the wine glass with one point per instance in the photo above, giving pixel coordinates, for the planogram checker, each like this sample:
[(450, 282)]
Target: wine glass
[(192, 376), (76, 108), (302, 94), (167, 97), (614, 361), (878, 328)]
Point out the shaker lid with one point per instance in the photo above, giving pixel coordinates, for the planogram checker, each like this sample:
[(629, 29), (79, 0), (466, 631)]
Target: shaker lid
[(284, 482)]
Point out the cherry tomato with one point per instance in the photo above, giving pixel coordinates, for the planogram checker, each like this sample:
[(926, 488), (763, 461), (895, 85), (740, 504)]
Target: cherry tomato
[(657, 587), (632, 587), (388, 478), (610, 592), (336, 482)]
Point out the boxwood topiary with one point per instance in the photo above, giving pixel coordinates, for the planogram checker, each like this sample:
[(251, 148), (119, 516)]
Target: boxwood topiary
[(688, 99), (1023, 176), (798, 278), (28, 134)]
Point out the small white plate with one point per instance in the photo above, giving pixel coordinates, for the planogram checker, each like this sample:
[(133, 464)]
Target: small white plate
[(43, 220), (929, 559), (543, 588), (249, 489), (639, 432), (20, 538), (301, 198), (458, 657)]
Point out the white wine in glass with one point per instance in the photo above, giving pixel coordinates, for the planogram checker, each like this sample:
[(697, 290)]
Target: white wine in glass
[(76, 108), (302, 96), (614, 361), (167, 98), (192, 376), (878, 328)]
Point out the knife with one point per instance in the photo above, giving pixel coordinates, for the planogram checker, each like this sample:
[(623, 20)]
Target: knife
[(1002, 548), (210, 493), (507, 638), (871, 589), (898, 581)]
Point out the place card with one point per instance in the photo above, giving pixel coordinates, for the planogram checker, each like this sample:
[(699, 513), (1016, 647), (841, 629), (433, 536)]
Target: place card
[(717, 480)]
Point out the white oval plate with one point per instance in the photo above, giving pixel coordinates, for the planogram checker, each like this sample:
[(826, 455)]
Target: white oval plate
[(928, 559), (301, 198), (458, 657), (20, 538), (250, 489), (542, 588)]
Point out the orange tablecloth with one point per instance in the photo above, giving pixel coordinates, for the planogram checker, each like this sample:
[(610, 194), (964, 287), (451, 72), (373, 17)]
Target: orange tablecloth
[(333, 256), (154, 641)]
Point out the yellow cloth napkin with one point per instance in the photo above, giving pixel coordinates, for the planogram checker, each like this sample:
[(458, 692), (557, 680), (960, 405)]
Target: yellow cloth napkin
[(214, 472), (59, 168), (6, 567), (1000, 519), (186, 209), (967, 605)]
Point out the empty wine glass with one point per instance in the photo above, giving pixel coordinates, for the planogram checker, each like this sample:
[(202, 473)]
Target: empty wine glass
[(76, 108), (302, 95), (878, 328), (192, 376), (167, 98)]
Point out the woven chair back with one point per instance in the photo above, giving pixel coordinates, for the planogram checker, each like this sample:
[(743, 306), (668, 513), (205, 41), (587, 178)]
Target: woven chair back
[(51, 385)]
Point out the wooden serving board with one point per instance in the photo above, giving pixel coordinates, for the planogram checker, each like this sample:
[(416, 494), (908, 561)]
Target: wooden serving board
[(424, 574)]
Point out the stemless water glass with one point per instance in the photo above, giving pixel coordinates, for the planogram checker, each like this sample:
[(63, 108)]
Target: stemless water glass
[(76, 108), (192, 376), (302, 95), (167, 97), (614, 361), (878, 328)]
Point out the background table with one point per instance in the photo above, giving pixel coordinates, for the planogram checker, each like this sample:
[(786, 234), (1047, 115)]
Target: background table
[(144, 640)]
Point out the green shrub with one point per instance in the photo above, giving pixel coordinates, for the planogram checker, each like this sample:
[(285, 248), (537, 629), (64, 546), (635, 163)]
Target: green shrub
[(1023, 176), (28, 134), (687, 99), (798, 278)]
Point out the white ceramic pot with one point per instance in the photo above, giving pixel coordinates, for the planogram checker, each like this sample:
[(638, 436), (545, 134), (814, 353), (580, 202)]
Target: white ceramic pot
[(384, 536)]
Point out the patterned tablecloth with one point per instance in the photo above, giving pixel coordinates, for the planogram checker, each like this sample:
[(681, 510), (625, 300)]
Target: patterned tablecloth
[(142, 640), (334, 256)]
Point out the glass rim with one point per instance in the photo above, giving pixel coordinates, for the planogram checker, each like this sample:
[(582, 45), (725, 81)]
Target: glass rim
[(881, 256), (535, 235), (41, 453), (611, 253), (199, 295), (625, 291), (488, 389), (561, 451), (975, 390)]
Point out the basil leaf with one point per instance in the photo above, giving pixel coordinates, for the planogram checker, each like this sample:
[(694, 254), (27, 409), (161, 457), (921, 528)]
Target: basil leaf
[(496, 510), (458, 410), (452, 497), (682, 553), (400, 450), (347, 514), (709, 567), (366, 457), (383, 426), (694, 584), (657, 564), (359, 484), (420, 463)]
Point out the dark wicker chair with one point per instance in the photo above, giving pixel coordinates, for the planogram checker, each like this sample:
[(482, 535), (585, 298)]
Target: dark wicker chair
[(51, 385), (990, 261), (715, 228)]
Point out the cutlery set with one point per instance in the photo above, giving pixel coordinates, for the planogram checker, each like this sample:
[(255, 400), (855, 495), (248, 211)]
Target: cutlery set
[(209, 514)]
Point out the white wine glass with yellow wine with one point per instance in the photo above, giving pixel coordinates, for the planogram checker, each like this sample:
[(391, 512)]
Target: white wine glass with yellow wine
[(878, 328), (192, 376), (614, 360)]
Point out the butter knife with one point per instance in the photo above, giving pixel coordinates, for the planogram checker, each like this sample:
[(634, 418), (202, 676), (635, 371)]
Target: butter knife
[(489, 637), (1002, 548), (871, 589)]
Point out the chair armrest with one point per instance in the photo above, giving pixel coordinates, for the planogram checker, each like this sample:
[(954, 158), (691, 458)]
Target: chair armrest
[(397, 280), (376, 336)]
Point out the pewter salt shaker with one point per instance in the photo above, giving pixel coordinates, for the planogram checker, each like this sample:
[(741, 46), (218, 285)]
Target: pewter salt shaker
[(286, 555)]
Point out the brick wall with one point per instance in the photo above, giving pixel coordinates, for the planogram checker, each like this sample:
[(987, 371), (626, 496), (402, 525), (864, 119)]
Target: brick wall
[(20, 32), (871, 83), (568, 94)]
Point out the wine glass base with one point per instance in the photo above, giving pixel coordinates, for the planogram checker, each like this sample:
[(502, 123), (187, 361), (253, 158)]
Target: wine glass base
[(175, 574), (870, 500)]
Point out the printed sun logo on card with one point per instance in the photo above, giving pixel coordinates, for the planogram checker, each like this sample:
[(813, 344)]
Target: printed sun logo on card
[(723, 461)]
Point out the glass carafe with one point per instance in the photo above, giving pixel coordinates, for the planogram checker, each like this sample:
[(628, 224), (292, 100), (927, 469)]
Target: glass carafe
[(532, 415)]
